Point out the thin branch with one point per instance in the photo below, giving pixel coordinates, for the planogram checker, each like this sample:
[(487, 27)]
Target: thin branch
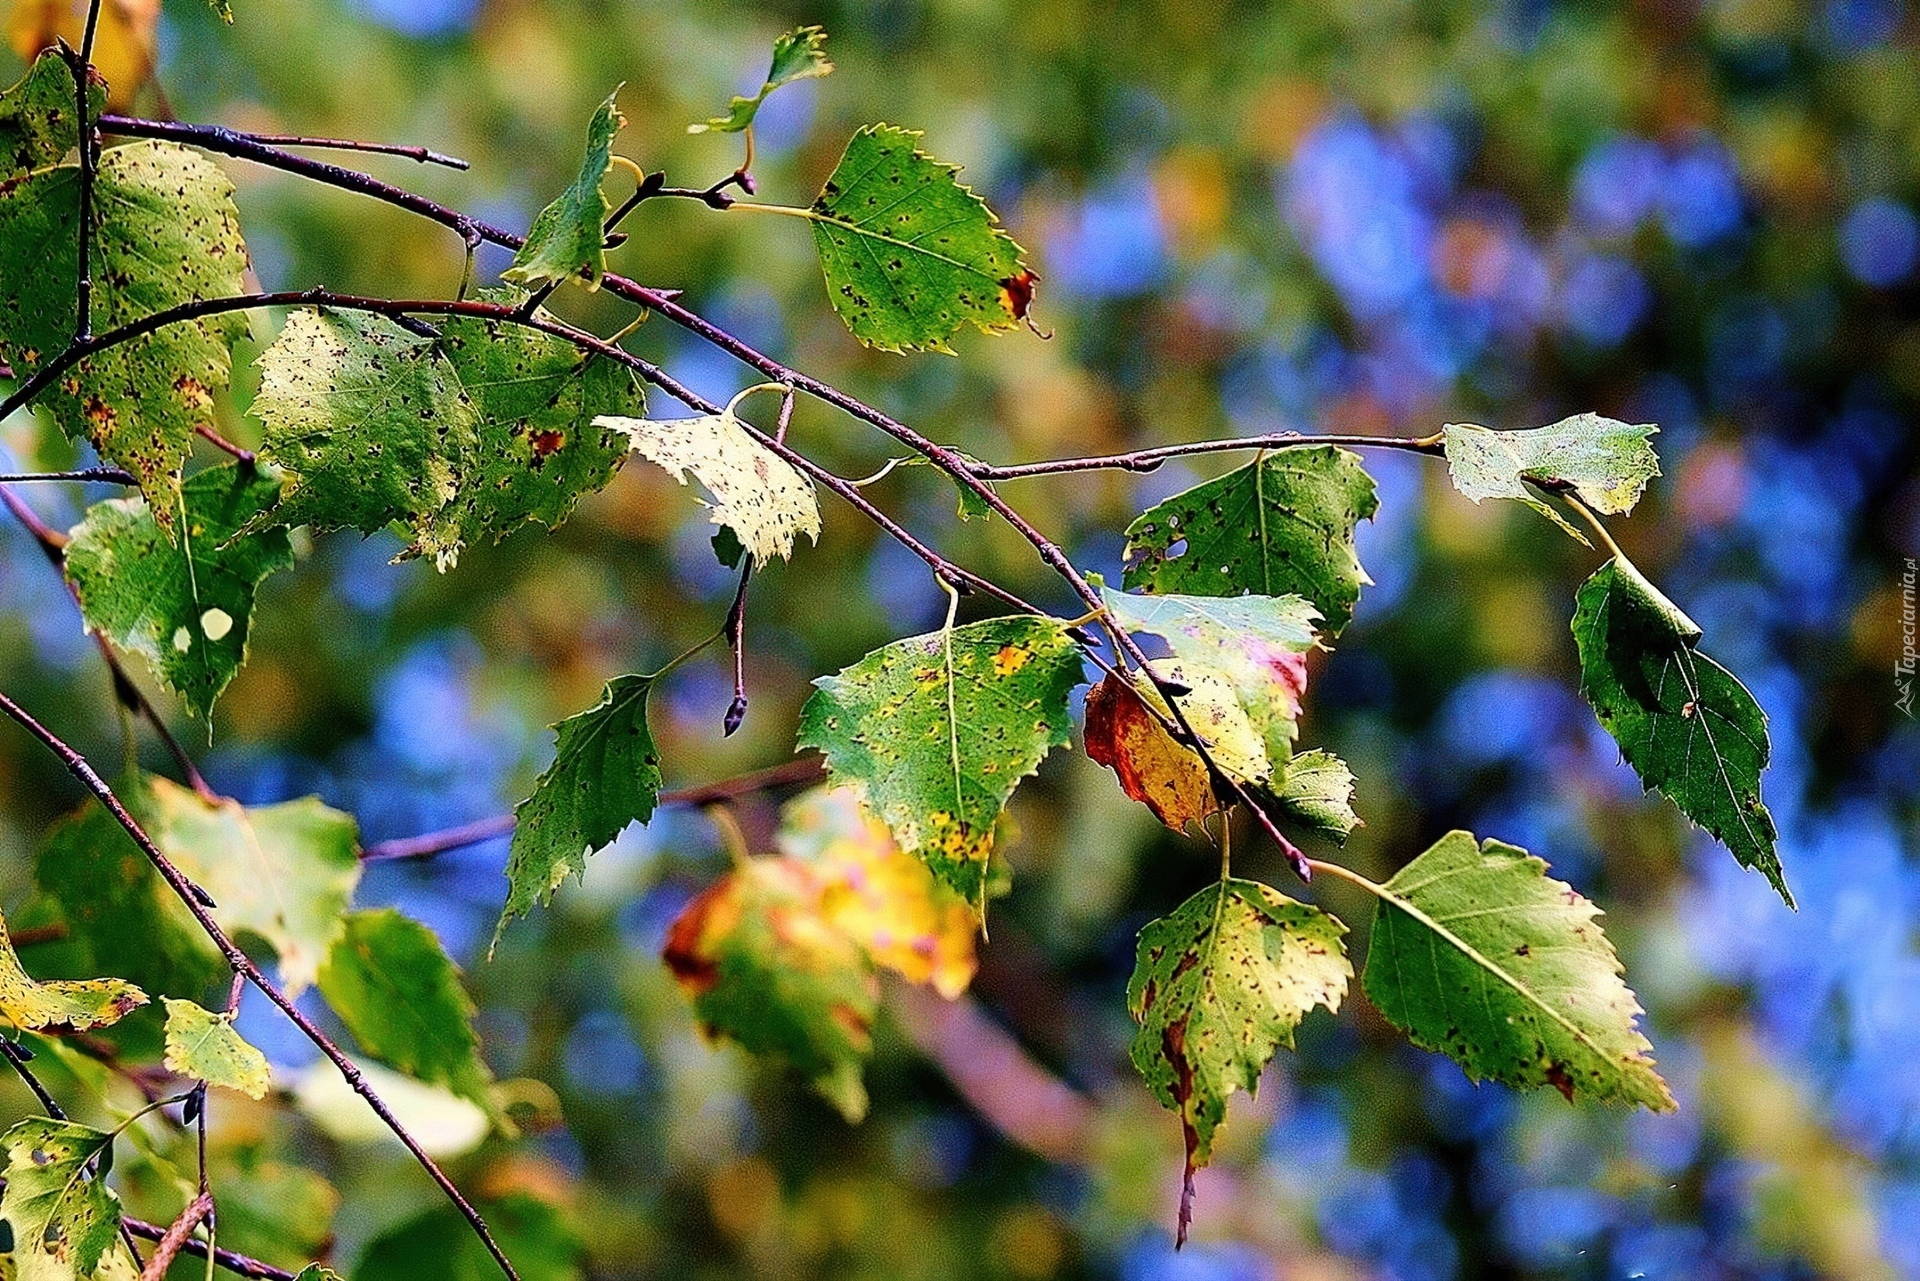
[(177, 1236), (81, 65), (108, 475), (406, 151), (243, 456), (238, 1264), (789, 774), (78, 766), (1146, 460), (736, 630)]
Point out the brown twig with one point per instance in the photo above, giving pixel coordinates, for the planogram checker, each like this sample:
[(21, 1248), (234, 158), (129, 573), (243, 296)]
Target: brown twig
[(176, 1236), (110, 475)]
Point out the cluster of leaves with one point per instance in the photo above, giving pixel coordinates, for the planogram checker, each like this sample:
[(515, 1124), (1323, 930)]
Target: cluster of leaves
[(491, 417)]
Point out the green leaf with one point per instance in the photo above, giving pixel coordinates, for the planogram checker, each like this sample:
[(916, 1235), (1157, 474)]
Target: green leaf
[(757, 494), (1686, 724), (910, 254), (1217, 987), (534, 398), (605, 775), (727, 548), (940, 728), (765, 969), (441, 1245), (798, 55), (314, 1272), (38, 124), (166, 233), (60, 1005), (474, 433), (282, 872), (1258, 643), (1607, 462), (121, 918), (400, 995), (59, 1218), (204, 1046), (273, 1210), (1477, 953), (568, 238), (1318, 789), (1280, 526), (182, 600)]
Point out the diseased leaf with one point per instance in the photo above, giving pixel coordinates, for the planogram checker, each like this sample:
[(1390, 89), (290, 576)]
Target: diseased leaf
[(204, 1046), (370, 425), (758, 495), (1259, 643), (940, 728), (1166, 776), (763, 967), (473, 434), (1210, 703), (400, 995), (605, 775), (1477, 953), (800, 54), (165, 233), (182, 600), (1318, 789), (1607, 462), (1280, 526), (885, 900), (73, 1005), (910, 254), (1217, 987), (568, 238), (61, 1218), (38, 122), (282, 872), (1686, 724)]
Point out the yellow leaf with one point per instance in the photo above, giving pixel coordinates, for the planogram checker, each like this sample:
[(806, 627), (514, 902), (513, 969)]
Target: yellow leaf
[(59, 1006), (123, 48), (884, 899), (1168, 777)]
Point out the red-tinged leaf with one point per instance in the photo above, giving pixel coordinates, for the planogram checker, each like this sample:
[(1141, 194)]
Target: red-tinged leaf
[(1168, 778)]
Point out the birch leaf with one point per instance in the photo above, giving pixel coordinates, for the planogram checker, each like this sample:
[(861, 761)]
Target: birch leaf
[(204, 1046), (568, 238), (72, 1005), (38, 124), (58, 1218), (1166, 776), (1686, 724), (1607, 462), (1477, 953), (1280, 526), (284, 873), (755, 493), (183, 601), (800, 54), (1217, 987), (911, 255), (165, 233), (1318, 789), (940, 728)]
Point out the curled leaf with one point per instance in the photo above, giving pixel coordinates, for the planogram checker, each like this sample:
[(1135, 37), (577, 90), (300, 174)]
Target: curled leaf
[(800, 54)]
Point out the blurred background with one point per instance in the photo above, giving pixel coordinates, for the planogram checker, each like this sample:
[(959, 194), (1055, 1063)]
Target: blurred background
[(1340, 216)]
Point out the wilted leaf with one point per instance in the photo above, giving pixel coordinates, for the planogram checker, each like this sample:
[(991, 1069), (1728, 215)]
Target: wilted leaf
[(1607, 462), (1259, 643), (1685, 723), (1166, 776), (165, 233), (940, 728), (1318, 789), (400, 995), (910, 254), (1477, 953), (73, 1005), (800, 54), (283, 872), (885, 900), (1280, 526), (1210, 702), (568, 238), (757, 494), (1218, 985), (60, 1219), (203, 1045), (181, 599), (764, 967), (39, 120), (605, 775)]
